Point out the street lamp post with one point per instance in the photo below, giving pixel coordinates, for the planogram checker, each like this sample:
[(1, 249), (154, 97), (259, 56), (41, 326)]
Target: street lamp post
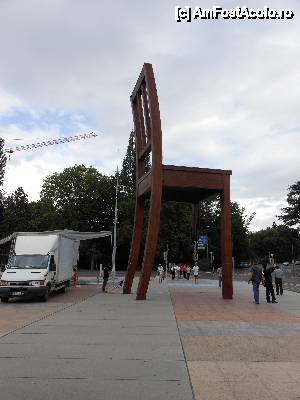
[(115, 230)]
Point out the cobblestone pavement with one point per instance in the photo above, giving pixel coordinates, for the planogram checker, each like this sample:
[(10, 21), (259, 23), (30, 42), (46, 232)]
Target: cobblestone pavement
[(237, 350)]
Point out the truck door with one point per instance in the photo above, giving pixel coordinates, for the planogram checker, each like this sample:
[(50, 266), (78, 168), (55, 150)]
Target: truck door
[(52, 269)]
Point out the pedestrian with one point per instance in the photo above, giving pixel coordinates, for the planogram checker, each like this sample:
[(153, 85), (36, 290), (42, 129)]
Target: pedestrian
[(160, 273), (196, 273), (278, 280), (184, 267), (219, 275), (255, 277), (267, 281), (181, 270), (173, 271), (105, 278), (188, 272), (177, 272)]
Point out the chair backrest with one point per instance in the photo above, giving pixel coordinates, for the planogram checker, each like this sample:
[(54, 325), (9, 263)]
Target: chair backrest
[(146, 117)]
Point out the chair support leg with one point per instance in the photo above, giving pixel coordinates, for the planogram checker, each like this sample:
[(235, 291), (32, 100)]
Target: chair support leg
[(150, 246), (226, 245), (135, 245)]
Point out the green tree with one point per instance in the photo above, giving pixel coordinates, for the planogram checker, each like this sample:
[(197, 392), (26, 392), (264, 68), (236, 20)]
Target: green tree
[(83, 198), (240, 231), (128, 171), (16, 213), (280, 240), (2, 162), (43, 215), (2, 172), (291, 213), (175, 232)]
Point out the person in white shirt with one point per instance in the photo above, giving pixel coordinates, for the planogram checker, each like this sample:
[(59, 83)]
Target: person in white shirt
[(160, 272), (196, 273), (173, 271), (278, 280), (188, 272), (177, 272)]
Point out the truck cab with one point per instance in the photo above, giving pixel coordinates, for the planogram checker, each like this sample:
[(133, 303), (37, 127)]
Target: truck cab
[(29, 275), (38, 265)]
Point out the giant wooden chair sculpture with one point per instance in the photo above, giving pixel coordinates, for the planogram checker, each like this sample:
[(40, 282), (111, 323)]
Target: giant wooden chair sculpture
[(168, 182)]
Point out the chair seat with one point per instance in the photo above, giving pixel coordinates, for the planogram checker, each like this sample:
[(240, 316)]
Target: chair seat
[(186, 184)]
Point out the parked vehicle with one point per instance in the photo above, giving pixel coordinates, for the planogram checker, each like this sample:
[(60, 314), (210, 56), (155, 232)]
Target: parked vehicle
[(41, 263), (286, 263), (297, 262)]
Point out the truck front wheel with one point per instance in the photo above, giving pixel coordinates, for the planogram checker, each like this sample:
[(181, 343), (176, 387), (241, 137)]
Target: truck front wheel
[(46, 295)]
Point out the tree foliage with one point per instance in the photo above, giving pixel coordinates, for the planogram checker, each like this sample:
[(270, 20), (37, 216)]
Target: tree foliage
[(128, 171), (2, 161), (16, 213), (291, 214), (83, 198), (280, 240)]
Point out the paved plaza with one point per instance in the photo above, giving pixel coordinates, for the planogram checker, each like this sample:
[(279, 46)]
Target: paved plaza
[(184, 342)]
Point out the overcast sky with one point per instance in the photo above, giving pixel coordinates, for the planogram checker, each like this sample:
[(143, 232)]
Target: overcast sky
[(229, 91)]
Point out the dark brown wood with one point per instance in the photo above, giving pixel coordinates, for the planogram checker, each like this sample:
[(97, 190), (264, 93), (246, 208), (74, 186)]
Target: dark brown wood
[(156, 185), (135, 245), (169, 182), (226, 246), (146, 150)]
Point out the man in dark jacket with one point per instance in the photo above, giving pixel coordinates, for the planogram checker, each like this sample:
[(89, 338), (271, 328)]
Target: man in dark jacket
[(105, 278), (268, 283), (255, 276)]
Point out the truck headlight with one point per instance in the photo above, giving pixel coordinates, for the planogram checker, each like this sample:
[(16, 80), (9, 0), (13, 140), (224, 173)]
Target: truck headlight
[(36, 283), (3, 283)]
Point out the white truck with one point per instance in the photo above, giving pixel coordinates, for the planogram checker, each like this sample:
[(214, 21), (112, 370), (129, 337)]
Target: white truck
[(41, 262)]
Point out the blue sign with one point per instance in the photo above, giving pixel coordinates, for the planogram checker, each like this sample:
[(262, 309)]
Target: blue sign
[(202, 241)]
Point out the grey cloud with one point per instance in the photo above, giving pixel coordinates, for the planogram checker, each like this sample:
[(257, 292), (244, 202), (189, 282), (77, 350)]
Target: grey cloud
[(229, 90)]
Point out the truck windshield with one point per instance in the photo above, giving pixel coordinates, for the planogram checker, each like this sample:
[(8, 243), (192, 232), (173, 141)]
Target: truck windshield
[(30, 261)]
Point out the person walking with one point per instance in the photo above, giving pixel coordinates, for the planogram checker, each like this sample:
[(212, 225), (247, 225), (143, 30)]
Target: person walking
[(267, 279), (160, 273), (105, 278), (219, 275), (196, 273), (255, 277), (173, 271), (184, 268), (278, 280), (188, 272), (177, 272)]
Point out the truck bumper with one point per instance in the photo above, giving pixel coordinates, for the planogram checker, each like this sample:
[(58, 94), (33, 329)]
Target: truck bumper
[(22, 291)]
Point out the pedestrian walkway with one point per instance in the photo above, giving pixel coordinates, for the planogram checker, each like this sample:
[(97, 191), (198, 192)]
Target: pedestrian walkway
[(236, 349), (184, 342), (109, 346)]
